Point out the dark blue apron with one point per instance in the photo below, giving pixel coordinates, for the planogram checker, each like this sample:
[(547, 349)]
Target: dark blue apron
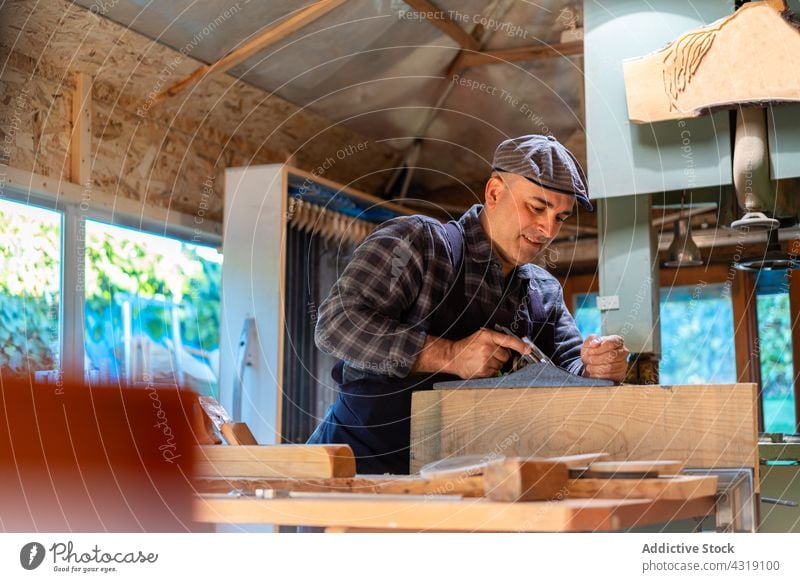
[(373, 415)]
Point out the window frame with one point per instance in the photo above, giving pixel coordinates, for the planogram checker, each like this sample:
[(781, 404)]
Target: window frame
[(74, 214)]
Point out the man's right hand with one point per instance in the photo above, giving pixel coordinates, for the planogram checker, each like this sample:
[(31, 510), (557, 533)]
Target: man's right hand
[(480, 355)]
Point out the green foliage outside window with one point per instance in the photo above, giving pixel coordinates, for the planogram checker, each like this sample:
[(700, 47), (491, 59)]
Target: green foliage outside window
[(30, 249), (698, 348), (120, 264)]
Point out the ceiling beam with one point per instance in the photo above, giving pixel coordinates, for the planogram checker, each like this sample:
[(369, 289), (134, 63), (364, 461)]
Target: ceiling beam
[(80, 144), (436, 16), (254, 46), (524, 53)]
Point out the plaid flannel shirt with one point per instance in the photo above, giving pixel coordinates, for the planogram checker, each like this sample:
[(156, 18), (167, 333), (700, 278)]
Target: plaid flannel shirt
[(377, 314)]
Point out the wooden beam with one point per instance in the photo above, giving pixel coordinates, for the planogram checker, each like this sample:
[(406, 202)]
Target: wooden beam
[(673, 488), (254, 46), (290, 461), (351, 192), (237, 434), (396, 484), (56, 190), (745, 332), (525, 53), (446, 515), (436, 16), (519, 479), (81, 138)]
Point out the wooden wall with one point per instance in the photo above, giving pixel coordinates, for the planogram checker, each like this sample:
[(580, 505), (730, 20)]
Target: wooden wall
[(169, 155)]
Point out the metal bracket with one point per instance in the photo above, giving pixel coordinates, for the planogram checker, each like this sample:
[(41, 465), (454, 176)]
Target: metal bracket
[(736, 501)]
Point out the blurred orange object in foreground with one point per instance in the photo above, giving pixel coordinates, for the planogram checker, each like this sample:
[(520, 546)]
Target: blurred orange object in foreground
[(98, 459)]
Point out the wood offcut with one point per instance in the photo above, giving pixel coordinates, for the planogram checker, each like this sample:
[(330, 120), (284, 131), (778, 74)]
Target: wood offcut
[(695, 73)]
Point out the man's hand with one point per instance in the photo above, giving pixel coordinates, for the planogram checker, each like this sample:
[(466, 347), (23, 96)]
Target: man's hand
[(605, 357), (480, 355)]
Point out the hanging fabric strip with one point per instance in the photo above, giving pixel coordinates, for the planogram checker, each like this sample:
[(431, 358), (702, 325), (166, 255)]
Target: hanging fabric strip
[(329, 225)]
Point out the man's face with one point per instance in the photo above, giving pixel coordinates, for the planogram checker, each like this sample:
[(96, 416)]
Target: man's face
[(523, 217)]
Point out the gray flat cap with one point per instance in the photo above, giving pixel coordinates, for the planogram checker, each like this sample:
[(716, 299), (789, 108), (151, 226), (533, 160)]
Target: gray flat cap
[(544, 161)]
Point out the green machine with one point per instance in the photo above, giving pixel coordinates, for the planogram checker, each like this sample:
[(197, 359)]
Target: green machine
[(780, 483)]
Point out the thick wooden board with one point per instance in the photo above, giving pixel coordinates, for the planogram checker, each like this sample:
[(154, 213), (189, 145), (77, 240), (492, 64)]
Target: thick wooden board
[(289, 461), (464, 486), (701, 426), (695, 73), (517, 479), (643, 466), (464, 515), (578, 461), (664, 488), (237, 433)]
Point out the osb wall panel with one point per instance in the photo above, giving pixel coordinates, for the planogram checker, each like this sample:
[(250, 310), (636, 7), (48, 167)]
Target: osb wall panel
[(231, 122), (34, 124)]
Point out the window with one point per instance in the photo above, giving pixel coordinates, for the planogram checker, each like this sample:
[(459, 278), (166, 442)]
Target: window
[(690, 317), (152, 309), (587, 316), (775, 352), (30, 290)]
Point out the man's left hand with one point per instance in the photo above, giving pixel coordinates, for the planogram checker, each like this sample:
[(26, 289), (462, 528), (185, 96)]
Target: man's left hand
[(605, 357)]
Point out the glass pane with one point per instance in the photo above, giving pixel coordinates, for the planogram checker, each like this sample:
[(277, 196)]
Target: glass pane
[(152, 309), (690, 317), (30, 290), (777, 369), (697, 335), (587, 316)]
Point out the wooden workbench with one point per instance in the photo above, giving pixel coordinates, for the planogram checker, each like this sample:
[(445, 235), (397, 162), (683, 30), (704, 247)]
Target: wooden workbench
[(440, 514)]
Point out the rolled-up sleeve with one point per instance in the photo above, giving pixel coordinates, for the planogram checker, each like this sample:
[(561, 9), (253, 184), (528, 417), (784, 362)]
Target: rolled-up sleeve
[(361, 321)]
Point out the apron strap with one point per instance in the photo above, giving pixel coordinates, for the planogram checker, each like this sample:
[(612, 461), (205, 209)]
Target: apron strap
[(535, 303), (455, 238)]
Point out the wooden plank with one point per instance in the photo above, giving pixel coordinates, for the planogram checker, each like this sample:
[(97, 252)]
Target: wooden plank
[(464, 486), (81, 137), (288, 461), (641, 466), (254, 46), (468, 465), (745, 333), (351, 192), (524, 53), (465, 515), (237, 433), (444, 23), (701, 426), (518, 479), (577, 461), (664, 488), (465, 465), (695, 74)]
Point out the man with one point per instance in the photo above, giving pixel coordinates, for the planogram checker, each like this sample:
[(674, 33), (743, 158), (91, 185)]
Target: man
[(420, 300)]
